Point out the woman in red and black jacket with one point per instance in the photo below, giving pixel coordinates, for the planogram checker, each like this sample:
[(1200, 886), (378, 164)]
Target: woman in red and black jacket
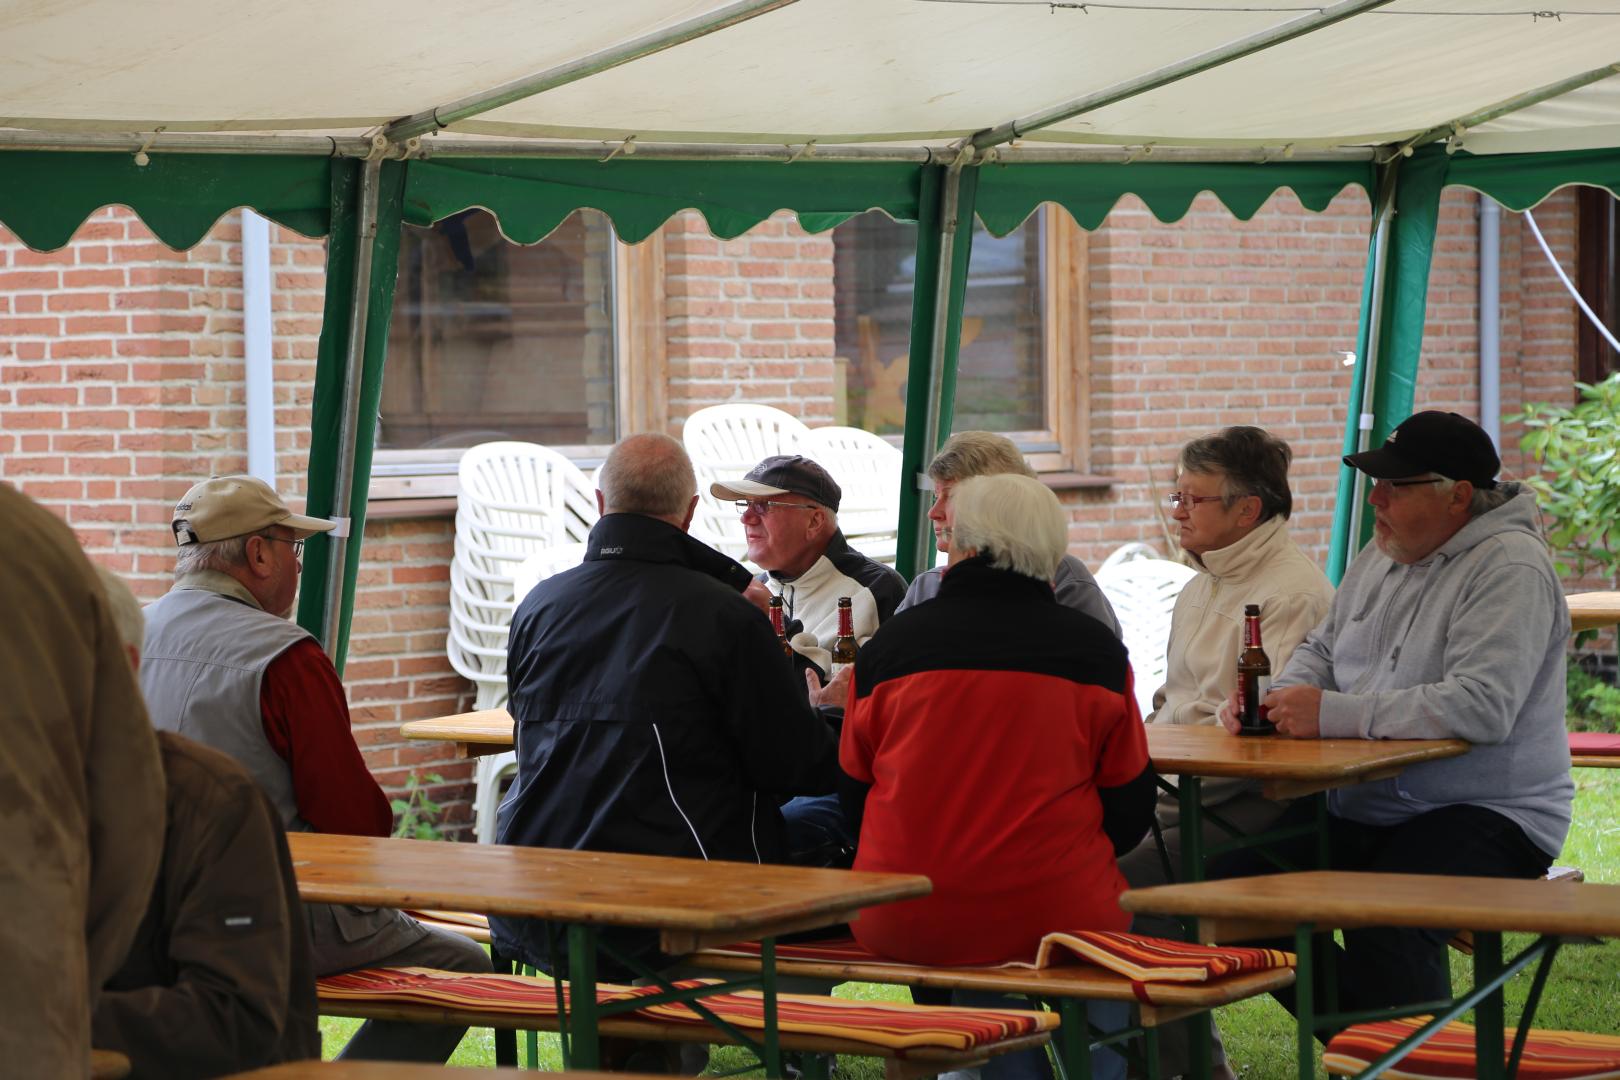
[(994, 738)]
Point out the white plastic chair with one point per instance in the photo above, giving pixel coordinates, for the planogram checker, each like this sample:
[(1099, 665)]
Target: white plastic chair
[(1126, 552), (867, 468), (1143, 593), (724, 442)]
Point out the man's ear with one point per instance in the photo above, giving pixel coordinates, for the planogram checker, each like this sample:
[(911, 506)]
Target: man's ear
[(686, 522), (1461, 495), (601, 503), (256, 550)]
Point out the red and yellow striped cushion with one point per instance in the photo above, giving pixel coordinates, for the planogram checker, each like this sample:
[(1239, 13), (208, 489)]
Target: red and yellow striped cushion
[(1449, 1055), (891, 1026)]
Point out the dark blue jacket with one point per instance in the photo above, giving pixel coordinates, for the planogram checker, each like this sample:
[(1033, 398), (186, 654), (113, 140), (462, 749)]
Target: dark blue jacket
[(655, 712)]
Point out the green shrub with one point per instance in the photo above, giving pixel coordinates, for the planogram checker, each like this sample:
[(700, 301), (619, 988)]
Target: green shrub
[(418, 814), (1578, 450), (1594, 705)]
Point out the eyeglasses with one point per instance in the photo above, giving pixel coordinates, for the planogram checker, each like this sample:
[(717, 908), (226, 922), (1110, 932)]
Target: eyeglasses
[(1387, 484), (297, 545), (1178, 499), (765, 506)]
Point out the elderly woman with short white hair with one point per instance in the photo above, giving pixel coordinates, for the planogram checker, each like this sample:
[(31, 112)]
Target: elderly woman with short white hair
[(998, 736)]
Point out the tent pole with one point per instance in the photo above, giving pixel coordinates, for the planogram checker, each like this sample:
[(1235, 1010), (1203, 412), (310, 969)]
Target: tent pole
[(1458, 128), (354, 364), (1358, 428), (931, 390), (441, 116), (1193, 65)]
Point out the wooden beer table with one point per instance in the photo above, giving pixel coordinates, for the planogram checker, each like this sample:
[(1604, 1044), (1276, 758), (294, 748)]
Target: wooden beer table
[(1593, 610), (396, 1070), (1243, 909), (1286, 768), (475, 734), (692, 904)]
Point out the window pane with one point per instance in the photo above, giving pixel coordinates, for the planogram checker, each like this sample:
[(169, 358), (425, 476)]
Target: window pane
[(495, 340), (1000, 384)]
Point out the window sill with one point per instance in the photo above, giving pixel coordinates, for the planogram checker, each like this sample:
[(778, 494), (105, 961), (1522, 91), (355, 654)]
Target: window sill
[(1073, 481), (378, 509)]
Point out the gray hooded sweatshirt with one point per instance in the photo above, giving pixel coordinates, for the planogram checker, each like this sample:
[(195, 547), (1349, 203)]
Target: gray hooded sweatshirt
[(1466, 644)]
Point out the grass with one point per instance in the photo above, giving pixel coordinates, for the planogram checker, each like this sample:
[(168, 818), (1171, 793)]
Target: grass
[(1259, 1035)]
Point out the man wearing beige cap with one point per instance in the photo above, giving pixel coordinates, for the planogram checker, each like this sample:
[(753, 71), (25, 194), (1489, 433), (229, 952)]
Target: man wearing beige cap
[(222, 664)]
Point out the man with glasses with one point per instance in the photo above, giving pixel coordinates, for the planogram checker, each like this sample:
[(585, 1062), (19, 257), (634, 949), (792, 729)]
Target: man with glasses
[(789, 510), (221, 664), (1231, 508), (1451, 625)]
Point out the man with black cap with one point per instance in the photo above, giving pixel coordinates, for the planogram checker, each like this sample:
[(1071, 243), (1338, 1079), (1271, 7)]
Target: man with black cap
[(222, 665), (1452, 626), (789, 510)]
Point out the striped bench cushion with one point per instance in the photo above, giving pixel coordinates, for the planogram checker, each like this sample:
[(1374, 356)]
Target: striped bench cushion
[(882, 1025), (1449, 1055), (1594, 743)]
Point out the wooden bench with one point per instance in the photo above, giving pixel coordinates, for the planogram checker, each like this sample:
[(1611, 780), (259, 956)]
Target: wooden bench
[(517, 1002)]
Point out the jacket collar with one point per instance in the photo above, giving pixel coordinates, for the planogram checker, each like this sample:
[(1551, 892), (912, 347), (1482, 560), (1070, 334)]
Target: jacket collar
[(216, 581), (976, 577), (639, 538), (1249, 554), (822, 567)]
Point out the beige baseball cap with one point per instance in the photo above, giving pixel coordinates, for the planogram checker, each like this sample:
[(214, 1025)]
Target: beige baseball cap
[(227, 506)]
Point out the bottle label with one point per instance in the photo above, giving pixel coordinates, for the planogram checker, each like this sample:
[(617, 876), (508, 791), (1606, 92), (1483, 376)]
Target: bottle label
[(834, 669), (1252, 690)]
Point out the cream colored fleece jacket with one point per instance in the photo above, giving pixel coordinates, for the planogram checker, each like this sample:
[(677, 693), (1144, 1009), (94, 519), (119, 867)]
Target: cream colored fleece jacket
[(1267, 568)]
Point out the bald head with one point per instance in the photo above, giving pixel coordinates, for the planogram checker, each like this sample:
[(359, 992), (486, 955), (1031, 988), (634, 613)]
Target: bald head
[(651, 475)]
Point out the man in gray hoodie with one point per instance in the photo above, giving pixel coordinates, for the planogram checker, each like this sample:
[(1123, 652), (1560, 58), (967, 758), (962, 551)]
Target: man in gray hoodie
[(1453, 626)]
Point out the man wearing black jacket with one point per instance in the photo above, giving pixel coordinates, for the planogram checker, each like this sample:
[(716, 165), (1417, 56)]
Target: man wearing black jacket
[(655, 712)]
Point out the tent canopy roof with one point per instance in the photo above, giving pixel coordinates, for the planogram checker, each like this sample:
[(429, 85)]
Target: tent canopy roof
[(895, 73)]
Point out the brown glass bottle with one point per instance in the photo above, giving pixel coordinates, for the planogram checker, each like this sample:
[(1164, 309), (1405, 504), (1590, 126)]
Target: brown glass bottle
[(844, 646), (779, 624), (1253, 677)]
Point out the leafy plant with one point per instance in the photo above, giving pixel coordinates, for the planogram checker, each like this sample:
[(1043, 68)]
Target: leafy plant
[(1594, 705), (418, 814), (1578, 450)]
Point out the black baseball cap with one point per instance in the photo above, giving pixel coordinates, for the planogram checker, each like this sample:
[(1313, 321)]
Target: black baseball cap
[(783, 474), (1439, 442)]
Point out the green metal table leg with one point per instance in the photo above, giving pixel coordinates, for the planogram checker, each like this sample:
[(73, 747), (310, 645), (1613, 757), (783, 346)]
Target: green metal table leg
[(1304, 1001), (767, 987), (1190, 794), (1488, 1013), (1150, 1046), (1074, 1039), (581, 1008)]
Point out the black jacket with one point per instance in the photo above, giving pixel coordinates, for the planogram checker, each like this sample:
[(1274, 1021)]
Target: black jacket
[(655, 711)]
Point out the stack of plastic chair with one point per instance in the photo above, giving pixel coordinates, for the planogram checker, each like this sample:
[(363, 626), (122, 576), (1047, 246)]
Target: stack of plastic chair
[(867, 468), (514, 501), (724, 442), (1143, 589)]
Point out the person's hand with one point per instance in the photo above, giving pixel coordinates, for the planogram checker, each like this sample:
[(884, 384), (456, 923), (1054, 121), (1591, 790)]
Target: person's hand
[(1228, 716), (758, 595), (1296, 710), (835, 692)]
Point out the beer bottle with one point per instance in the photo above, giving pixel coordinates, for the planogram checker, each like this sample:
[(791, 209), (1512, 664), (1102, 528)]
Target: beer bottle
[(779, 624), (844, 647), (1253, 677)]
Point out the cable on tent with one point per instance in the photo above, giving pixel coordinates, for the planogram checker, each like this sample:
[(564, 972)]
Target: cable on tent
[(807, 150), (1580, 302)]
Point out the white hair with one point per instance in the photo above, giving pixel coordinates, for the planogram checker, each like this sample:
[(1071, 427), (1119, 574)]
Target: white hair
[(125, 609), (222, 555), (1015, 520)]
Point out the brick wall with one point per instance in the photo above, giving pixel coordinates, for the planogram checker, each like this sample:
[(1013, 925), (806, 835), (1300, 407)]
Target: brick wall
[(121, 383), (749, 319)]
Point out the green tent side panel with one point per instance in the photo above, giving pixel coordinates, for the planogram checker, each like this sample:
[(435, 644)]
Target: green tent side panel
[(1520, 181), (532, 197), (46, 195), (914, 455), (1088, 190), (331, 378)]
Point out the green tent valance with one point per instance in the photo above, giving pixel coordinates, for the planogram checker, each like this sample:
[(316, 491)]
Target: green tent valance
[(1520, 181), (531, 197), (46, 195), (1088, 190)]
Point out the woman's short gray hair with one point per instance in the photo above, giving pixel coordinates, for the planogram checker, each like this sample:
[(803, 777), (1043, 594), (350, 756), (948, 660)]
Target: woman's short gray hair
[(977, 453), (1014, 520)]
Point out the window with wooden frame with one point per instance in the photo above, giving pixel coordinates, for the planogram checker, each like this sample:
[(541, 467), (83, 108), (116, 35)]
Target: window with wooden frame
[(1025, 356), (559, 343), (1598, 279)]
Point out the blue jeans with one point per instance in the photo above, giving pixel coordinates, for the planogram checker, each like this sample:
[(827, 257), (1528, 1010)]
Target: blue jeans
[(815, 830), (1033, 1064)]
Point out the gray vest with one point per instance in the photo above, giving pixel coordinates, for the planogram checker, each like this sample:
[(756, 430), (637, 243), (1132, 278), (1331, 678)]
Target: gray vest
[(201, 668)]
